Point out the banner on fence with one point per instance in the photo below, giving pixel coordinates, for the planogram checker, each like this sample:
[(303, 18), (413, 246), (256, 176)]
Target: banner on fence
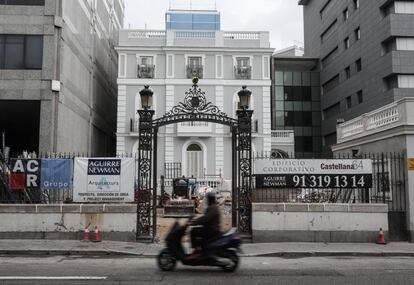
[(313, 173), (24, 174), (56, 174), (105, 180)]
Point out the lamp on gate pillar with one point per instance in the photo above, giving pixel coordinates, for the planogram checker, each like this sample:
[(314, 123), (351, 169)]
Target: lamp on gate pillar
[(146, 97), (244, 97), (146, 149), (244, 169)]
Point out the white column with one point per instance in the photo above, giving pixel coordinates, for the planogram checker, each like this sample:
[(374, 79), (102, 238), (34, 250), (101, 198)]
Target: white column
[(267, 128), (220, 132), (121, 120), (169, 130)]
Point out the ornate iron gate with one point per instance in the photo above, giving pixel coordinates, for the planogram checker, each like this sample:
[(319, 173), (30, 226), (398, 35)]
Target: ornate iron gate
[(195, 107)]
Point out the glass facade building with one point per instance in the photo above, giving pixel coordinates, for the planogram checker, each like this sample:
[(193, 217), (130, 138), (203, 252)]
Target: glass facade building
[(296, 105), (193, 20)]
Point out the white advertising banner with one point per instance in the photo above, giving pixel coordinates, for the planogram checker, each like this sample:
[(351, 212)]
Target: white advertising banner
[(103, 180)]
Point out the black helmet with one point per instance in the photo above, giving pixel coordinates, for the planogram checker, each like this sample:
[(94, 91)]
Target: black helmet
[(211, 198)]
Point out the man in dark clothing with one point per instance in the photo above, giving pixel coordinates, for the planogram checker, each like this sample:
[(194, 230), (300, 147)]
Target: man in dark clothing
[(210, 223)]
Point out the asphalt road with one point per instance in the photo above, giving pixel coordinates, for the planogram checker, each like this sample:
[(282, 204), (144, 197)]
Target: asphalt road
[(312, 270)]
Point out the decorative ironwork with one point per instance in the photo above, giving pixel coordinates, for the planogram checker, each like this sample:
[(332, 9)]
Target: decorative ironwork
[(244, 155), (195, 107), (145, 190)]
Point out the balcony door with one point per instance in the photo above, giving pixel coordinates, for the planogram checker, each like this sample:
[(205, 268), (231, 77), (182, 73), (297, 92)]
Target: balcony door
[(194, 61), (194, 157)]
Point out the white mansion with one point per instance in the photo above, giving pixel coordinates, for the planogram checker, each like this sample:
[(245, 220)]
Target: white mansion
[(193, 45)]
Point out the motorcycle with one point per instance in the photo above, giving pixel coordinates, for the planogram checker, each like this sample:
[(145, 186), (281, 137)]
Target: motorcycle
[(221, 252)]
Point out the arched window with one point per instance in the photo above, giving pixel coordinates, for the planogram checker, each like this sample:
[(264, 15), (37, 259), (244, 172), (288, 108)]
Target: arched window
[(279, 154), (194, 161)]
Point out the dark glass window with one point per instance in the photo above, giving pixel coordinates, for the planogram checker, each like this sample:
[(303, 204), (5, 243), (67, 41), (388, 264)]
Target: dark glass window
[(345, 14), (298, 118), (297, 93), (356, 4), (307, 119), (348, 72), (289, 119), (289, 93), (33, 52), (303, 144), (307, 94), (23, 2), (13, 52), (357, 34), (358, 64), (349, 102), (21, 52), (360, 97)]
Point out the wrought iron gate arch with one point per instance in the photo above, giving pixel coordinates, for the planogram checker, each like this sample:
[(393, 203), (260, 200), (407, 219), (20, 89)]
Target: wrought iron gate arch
[(195, 107)]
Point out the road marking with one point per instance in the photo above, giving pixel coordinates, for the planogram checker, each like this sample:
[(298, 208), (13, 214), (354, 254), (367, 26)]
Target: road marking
[(53, 277)]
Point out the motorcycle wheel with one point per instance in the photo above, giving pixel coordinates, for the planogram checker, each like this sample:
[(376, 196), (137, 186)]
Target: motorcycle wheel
[(233, 263), (166, 262)]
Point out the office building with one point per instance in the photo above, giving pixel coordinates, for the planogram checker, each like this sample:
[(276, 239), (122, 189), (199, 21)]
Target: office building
[(366, 51), (296, 114), (58, 70)]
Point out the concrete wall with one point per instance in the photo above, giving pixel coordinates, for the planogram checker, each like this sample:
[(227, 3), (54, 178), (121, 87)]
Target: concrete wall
[(283, 222), (68, 221)]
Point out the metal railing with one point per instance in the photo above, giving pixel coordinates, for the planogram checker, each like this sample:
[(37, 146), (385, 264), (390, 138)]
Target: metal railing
[(243, 72), (389, 186), (241, 35), (195, 35), (146, 71), (146, 34), (194, 71)]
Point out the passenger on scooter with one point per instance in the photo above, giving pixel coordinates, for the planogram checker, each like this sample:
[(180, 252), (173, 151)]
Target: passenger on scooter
[(209, 222)]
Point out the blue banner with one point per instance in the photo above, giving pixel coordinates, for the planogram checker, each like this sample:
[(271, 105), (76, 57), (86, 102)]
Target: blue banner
[(56, 174)]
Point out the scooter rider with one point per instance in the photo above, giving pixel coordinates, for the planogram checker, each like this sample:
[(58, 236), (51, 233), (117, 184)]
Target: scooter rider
[(209, 222)]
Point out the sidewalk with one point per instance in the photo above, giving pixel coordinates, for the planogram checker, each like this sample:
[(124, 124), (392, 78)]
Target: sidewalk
[(112, 248)]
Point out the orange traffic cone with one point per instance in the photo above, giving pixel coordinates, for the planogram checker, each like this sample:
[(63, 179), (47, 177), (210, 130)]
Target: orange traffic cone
[(86, 235), (381, 238), (96, 237)]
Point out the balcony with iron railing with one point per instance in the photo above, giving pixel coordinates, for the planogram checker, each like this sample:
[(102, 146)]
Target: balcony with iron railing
[(243, 72), (385, 118), (146, 71), (203, 129), (194, 71)]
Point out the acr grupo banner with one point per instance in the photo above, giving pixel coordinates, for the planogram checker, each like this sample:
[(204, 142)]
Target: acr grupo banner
[(313, 173), (24, 174), (56, 174), (103, 180)]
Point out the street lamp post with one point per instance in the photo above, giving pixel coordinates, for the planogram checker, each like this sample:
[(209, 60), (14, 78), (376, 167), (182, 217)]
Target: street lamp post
[(244, 150), (146, 221)]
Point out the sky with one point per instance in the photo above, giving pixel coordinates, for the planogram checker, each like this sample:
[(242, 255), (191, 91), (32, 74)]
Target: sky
[(282, 18)]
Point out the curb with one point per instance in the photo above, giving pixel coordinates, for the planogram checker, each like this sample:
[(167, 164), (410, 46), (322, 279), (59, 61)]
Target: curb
[(327, 254), (115, 253), (65, 252)]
